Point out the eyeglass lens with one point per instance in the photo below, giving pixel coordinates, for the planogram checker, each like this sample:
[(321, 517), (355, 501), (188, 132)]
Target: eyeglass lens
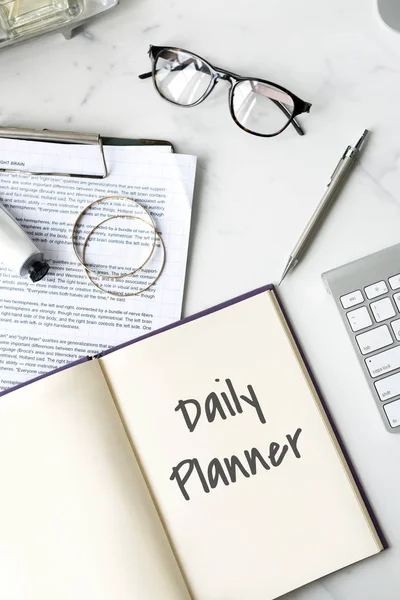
[(181, 77), (260, 107)]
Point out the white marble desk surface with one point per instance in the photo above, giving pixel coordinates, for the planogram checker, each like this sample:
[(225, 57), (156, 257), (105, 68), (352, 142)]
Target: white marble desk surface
[(254, 195)]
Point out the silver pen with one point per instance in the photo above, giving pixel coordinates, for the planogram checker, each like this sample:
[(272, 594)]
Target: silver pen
[(335, 184)]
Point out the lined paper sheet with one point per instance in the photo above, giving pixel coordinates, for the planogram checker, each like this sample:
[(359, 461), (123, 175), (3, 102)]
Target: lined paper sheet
[(64, 317)]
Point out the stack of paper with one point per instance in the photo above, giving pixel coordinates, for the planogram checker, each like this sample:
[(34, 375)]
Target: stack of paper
[(64, 317)]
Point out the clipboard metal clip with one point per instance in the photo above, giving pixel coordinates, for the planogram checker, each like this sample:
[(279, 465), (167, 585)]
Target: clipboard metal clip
[(64, 137)]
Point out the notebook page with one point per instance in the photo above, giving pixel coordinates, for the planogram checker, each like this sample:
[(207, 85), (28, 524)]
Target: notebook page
[(248, 479), (64, 317), (76, 519)]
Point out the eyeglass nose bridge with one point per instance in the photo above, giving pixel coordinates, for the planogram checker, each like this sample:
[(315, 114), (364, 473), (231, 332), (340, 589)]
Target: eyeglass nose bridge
[(225, 76)]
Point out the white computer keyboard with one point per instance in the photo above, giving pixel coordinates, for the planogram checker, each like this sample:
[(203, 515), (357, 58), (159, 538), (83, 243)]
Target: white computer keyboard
[(367, 293)]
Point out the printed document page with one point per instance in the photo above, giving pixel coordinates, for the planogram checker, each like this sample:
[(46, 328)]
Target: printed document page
[(77, 159), (63, 317)]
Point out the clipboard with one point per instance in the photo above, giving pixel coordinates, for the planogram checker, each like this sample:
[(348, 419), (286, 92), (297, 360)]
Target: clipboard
[(74, 137)]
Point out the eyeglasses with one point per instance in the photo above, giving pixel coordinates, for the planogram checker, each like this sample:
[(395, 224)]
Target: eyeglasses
[(258, 106)]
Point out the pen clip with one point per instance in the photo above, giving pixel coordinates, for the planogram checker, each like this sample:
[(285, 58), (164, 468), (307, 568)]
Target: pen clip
[(338, 165)]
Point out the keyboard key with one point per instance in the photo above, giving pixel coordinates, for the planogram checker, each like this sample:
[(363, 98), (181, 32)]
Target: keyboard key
[(382, 309), (374, 340), (396, 328), (352, 299), (377, 289), (359, 319), (384, 362), (394, 282), (396, 298), (389, 387), (392, 411)]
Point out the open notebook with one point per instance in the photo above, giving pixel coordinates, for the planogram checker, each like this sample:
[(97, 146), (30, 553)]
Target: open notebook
[(197, 462)]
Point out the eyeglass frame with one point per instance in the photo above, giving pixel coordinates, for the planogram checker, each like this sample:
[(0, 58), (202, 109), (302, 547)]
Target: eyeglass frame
[(217, 73)]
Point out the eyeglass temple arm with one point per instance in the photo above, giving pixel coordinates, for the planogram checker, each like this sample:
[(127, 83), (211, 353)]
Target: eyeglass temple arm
[(281, 106), (287, 112)]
